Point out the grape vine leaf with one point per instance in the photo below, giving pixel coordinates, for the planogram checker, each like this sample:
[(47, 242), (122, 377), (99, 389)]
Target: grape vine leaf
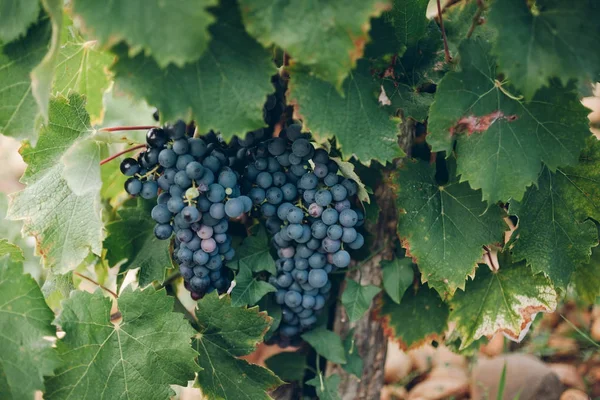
[(326, 343), (83, 67), (444, 227), (299, 28), (347, 171), (586, 278), (57, 288), (327, 387), (17, 60), (362, 127), (138, 356), (273, 310), (459, 19), (554, 234), (354, 364), (13, 251), (171, 34), (63, 212), (289, 366), (423, 307), (25, 356), (226, 333), (504, 301), (497, 149), (232, 78), (398, 275), (17, 16), (43, 74), (408, 20), (408, 78), (552, 39), (248, 290), (357, 298), (131, 237), (254, 253)]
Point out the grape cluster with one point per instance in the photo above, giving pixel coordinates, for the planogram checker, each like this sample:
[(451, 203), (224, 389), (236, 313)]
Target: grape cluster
[(199, 193), (309, 214)]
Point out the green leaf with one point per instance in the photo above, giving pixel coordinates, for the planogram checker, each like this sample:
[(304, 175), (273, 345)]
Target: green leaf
[(496, 150), (357, 298), (355, 363), (444, 227), (136, 357), (553, 39), (327, 388), (25, 356), (554, 234), (420, 317), (248, 290), (226, 333), (327, 344), (61, 205), (273, 310), (398, 275), (17, 60), (132, 238), (233, 78), (57, 288), (586, 278), (82, 67), (43, 74), (458, 21), (14, 252), (362, 128), (413, 73), (408, 20), (17, 16), (254, 253), (289, 366), (500, 301), (171, 34), (326, 36)]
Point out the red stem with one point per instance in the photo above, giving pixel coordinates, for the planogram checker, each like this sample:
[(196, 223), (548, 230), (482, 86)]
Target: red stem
[(139, 146), (446, 50), (127, 128), (96, 283)]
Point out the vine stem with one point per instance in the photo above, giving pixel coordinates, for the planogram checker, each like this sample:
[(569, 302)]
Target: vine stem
[(139, 146), (476, 18), (87, 278), (127, 128), (446, 50)]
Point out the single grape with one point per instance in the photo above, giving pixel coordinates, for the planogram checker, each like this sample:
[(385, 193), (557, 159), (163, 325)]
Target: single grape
[(317, 278), (294, 159), (339, 192), (217, 210), (331, 245), (303, 251), (234, 208), (331, 179), (257, 195), (274, 195), (308, 301), (201, 272), (320, 170), (183, 161), (194, 170), (190, 214), (203, 204), (186, 271), (129, 167), (317, 260), (208, 178), (308, 181), (264, 180), (181, 146), (151, 157), (221, 226), (184, 235), (211, 162), (341, 259), (197, 147), (261, 164), (221, 238), (289, 192), (177, 130), (277, 146), (268, 210), (133, 186), (319, 229), (349, 235), (295, 215), (161, 214), (163, 198), (321, 156), (323, 197), (284, 159), (156, 137), (163, 231), (319, 302), (200, 257), (315, 210), (299, 171), (208, 245), (301, 147), (285, 280), (185, 255), (294, 231), (216, 193), (342, 205), (348, 218), (350, 186), (149, 190), (330, 216), (214, 262), (293, 299), (182, 180), (309, 196)]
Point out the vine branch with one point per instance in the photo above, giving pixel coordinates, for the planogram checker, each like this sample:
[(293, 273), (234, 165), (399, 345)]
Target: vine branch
[(476, 18), (446, 50), (127, 128), (139, 146), (87, 278)]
